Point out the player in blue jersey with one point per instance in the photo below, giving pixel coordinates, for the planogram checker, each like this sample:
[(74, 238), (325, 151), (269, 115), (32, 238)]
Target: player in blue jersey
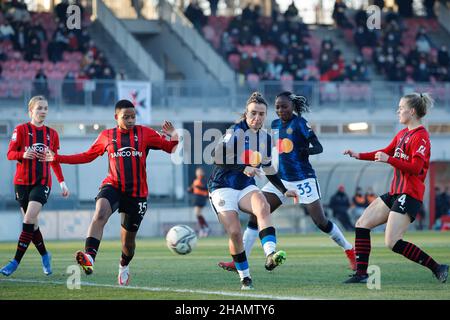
[(245, 151), (296, 142)]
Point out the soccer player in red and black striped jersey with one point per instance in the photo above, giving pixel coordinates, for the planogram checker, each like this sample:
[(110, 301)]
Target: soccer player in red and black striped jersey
[(409, 154), (125, 188), (32, 180)]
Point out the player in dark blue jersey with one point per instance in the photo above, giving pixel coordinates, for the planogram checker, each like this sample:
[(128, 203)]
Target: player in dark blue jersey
[(296, 142), (245, 151)]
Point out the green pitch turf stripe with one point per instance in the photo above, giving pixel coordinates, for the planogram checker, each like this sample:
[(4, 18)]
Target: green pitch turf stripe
[(220, 293)]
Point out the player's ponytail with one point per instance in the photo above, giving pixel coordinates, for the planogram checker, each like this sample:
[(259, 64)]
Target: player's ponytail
[(299, 102), (421, 102), (255, 97)]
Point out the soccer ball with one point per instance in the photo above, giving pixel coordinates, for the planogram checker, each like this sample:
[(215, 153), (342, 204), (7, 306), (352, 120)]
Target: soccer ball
[(181, 239)]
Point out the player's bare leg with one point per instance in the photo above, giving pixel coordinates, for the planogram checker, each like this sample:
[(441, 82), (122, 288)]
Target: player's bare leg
[(256, 202), (396, 227)]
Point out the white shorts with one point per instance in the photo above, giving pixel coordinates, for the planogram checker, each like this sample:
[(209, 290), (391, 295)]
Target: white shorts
[(227, 199), (308, 190)]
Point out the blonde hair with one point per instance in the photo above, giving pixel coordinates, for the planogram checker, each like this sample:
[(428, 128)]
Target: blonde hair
[(35, 99), (255, 97), (421, 102)]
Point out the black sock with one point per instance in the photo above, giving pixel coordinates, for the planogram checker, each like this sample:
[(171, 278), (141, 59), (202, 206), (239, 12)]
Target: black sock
[(414, 253), (38, 241), (24, 241), (362, 250), (252, 225), (327, 228), (91, 246), (125, 260)]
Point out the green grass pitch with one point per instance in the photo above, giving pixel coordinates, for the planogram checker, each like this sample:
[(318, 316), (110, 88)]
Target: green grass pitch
[(315, 269)]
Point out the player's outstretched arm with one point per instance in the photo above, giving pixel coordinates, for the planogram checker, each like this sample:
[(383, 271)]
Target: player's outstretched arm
[(96, 150)]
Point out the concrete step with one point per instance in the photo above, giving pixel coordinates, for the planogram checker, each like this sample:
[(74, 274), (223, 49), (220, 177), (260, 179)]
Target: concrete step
[(114, 53)]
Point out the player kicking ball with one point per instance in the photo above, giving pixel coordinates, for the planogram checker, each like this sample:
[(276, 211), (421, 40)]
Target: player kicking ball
[(125, 188)]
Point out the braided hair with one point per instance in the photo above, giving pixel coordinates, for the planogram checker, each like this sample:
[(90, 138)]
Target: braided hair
[(300, 102)]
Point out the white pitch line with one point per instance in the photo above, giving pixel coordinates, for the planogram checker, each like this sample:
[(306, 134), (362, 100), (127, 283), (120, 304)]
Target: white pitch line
[(156, 289)]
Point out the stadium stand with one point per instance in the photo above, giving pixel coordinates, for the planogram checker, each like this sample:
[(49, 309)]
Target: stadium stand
[(38, 52)]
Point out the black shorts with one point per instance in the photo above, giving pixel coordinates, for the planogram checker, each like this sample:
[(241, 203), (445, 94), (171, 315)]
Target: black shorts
[(25, 194), (402, 203), (132, 209), (199, 201)]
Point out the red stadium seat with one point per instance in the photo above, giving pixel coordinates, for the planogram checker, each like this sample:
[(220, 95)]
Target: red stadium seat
[(234, 60), (445, 223), (4, 88), (367, 53), (253, 80), (287, 82)]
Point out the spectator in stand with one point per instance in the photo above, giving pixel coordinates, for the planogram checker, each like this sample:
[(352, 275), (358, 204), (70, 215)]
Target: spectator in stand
[(339, 15), (195, 14), (360, 37), (405, 8), (339, 204), (38, 30), (6, 32), (429, 7), (40, 85), (358, 203), (3, 56), (33, 49), (423, 42), (69, 88), (121, 75), (108, 87), (443, 56), (213, 4), (138, 5), (370, 196), (20, 38), (245, 64), (421, 73), (292, 11), (60, 11), (442, 202), (274, 69)]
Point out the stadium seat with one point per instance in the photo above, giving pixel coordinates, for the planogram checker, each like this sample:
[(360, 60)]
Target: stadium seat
[(253, 80), (367, 53), (234, 60), (287, 82), (445, 223)]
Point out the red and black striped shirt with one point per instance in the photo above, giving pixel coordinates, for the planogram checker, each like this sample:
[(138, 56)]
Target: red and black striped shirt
[(127, 153), (27, 136), (409, 153)]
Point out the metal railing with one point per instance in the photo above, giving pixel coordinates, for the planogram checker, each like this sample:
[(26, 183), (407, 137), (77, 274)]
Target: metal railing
[(199, 94)]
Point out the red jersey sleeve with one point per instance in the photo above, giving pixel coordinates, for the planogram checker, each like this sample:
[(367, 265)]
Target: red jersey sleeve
[(97, 149), (15, 144), (154, 140), (56, 166), (421, 146), (389, 150), (420, 153)]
